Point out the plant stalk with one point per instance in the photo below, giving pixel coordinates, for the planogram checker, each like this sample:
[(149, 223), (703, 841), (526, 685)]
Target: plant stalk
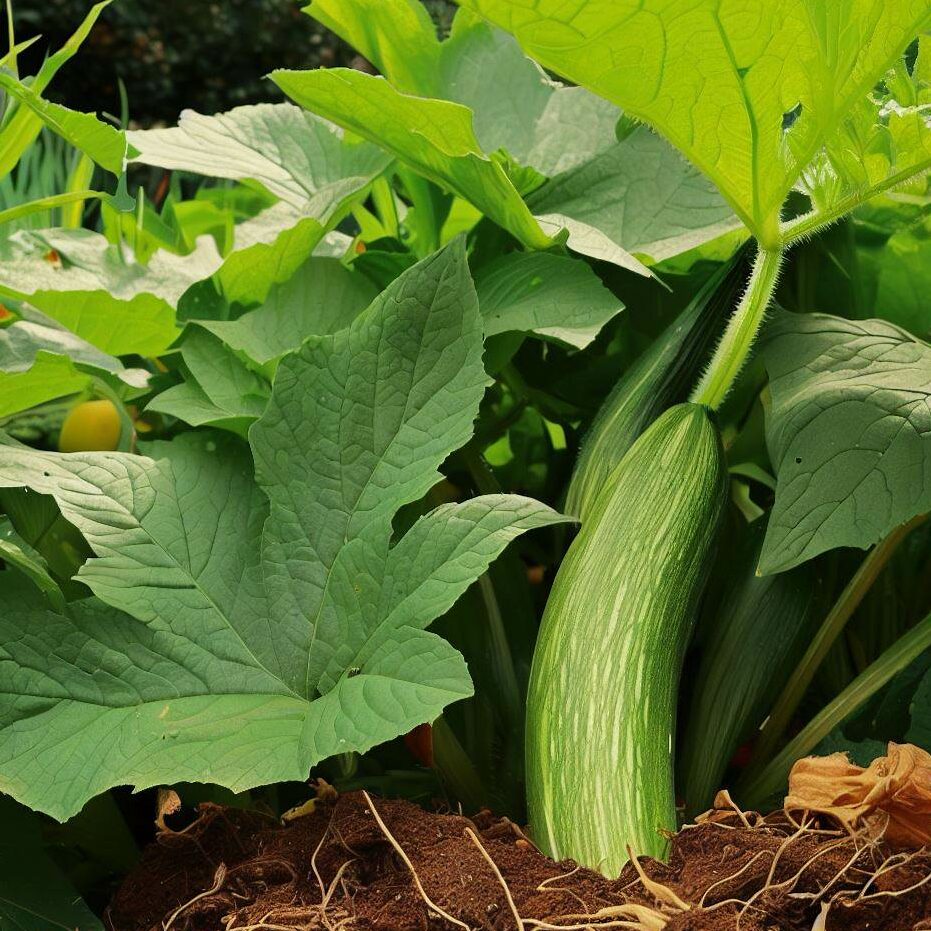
[(832, 627), (816, 220), (772, 779), (738, 339)]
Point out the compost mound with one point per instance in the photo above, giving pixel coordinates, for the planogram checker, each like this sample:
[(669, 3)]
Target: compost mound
[(357, 863)]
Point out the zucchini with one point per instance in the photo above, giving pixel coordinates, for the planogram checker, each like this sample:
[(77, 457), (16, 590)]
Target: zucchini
[(755, 635), (605, 673), (659, 378)]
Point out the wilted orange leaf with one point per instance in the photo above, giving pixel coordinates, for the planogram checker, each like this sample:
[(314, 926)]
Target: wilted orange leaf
[(891, 796)]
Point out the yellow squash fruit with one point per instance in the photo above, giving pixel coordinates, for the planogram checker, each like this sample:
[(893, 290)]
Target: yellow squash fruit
[(92, 425)]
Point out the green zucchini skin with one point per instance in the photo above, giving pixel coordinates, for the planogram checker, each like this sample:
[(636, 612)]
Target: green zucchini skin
[(605, 674), (658, 379)]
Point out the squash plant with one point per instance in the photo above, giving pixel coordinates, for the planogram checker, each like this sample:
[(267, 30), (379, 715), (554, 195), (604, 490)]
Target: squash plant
[(406, 318)]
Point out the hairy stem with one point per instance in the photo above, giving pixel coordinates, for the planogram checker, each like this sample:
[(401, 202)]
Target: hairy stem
[(738, 338), (772, 779), (815, 221), (833, 625)]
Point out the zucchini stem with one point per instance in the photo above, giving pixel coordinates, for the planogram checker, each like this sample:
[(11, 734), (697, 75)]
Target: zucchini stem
[(738, 338)]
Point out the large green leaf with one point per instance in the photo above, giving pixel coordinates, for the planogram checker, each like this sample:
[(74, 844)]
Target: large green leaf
[(307, 163), (719, 80), (849, 433), (262, 631), (99, 292), (558, 298), (321, 297), (639, 194), (34, 895), (614, 199), (40, 360), (397, 36), (435, 137)]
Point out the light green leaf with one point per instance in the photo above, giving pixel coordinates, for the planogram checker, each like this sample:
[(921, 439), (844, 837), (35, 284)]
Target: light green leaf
[(558, 298), (435, 137), (321, 297), (882, 143), (34, 894), (190, 403), (41, 361), (263, 632), (717, 81), (306, 162), (298, 157), (99, 292), (219, 388), (849, 433), (642, 196), (539, 123), (397, 36), (556, 130), (105, 144)]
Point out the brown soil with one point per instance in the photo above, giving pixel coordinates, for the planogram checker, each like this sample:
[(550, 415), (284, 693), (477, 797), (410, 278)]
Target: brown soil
[(361, 864)]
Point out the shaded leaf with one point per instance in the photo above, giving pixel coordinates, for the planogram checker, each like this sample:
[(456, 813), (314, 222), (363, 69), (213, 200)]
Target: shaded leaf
[(849, 433), (555, 297), (34, 894)]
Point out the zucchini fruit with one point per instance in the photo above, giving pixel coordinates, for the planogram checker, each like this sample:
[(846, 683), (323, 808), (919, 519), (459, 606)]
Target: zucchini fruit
[(659, 378), (605, 674), (755, 635)]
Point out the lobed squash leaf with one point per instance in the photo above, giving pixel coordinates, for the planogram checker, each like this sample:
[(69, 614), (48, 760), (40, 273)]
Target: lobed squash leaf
[(435, 137), (308, 164), (250, 613), (615, 198), (721, 81)]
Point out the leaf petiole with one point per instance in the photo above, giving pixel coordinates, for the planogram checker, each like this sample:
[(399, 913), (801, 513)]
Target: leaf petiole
[(816, 220), (738, 338)]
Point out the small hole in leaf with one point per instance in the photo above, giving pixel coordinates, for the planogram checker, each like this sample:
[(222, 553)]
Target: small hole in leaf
[(798, 460)]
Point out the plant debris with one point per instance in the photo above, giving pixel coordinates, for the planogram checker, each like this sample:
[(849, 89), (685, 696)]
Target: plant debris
[(891, 796), (356, 863)]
